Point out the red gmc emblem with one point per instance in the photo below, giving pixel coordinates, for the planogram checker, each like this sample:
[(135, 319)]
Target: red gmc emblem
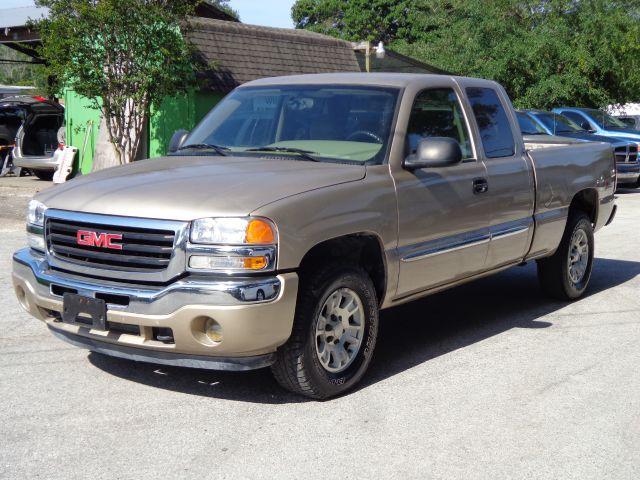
[(95, 239)]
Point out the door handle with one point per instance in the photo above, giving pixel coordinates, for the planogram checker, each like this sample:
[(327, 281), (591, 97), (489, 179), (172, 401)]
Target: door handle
[(480, 185)]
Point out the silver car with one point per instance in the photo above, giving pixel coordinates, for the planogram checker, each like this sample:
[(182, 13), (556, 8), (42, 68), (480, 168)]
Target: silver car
[(40, 135)]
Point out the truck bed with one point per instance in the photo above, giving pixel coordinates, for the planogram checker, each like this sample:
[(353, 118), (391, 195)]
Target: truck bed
[(562, 169)]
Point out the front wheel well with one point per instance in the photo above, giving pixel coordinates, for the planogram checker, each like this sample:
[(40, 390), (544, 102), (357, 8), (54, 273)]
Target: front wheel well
[(587, 202), (362, 249)]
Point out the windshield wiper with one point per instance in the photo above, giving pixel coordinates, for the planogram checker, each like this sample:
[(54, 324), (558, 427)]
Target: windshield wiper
[(207, 146), (306, 154)]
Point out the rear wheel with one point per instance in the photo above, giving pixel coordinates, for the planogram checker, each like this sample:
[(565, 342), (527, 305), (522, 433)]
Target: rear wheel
[(43, 174), (565, 275), (334, 334)]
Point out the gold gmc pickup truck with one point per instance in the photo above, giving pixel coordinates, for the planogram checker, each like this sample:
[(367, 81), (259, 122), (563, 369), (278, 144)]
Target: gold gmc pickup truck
[(274, 232)]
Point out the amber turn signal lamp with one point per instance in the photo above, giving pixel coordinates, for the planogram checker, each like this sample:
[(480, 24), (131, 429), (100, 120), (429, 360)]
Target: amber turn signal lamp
[(255, 263), (259, 231)]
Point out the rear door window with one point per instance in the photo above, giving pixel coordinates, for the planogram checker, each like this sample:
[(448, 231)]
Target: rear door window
[(12, 117), (493, 123)]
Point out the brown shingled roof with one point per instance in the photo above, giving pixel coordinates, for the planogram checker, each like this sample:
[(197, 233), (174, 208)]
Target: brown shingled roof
[(243, 52)]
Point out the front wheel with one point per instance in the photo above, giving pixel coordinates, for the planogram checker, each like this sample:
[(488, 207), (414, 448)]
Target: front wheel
[(565, 275), (334, 334)]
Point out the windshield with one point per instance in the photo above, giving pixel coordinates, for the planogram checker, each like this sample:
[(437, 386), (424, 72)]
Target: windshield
[(558, 123), (315, 122), (12, 117), (529, 126), (604, 120)]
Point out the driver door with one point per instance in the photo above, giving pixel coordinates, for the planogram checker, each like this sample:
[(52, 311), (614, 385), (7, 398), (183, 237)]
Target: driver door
[(444, 212)]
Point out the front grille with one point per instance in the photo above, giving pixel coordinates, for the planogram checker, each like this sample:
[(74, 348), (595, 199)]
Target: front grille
[(626, 154), (621, 154), (143, 249)]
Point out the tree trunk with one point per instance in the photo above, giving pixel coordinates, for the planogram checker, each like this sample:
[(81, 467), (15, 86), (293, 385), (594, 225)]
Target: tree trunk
[(105, 155), (119, 135)]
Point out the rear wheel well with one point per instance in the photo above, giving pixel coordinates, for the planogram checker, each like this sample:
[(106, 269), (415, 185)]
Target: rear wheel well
[(364, 250), (586, 201)]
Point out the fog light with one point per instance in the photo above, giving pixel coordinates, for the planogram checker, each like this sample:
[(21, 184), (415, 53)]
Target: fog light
[(22, 298), (213, 330), (35, 241)]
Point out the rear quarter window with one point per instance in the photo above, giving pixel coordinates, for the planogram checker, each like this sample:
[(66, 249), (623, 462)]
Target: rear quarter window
[(493, 123)]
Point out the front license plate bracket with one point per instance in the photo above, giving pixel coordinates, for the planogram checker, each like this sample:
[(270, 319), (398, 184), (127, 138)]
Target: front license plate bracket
[(84, 311)]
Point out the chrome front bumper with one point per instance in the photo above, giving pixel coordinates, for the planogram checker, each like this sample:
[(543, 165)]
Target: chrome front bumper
[(628, 172), (253, 324), (147, 300)]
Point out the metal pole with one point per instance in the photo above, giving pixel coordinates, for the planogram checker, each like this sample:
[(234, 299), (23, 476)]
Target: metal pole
[(367, 52)]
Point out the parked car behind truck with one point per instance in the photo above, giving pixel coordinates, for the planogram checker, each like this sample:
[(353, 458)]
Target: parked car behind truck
[(336, 195), (599, 123), (631, 121), (36, 133), (551, 123)]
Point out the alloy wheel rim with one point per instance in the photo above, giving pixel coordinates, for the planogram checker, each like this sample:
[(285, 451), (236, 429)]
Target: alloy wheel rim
[(578, 256), (339, 330)]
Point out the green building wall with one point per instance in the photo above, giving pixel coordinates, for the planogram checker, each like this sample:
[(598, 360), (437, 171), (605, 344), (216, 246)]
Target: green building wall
[(175, 113), (82, 121)]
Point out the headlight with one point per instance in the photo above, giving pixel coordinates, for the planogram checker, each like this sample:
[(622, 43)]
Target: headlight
[(35, 213), (233, 231), (231, 245), (35, 225)]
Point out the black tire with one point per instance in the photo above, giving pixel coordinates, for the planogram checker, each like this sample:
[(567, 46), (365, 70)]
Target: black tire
[(553, 272), (44, 174), (298, 367)]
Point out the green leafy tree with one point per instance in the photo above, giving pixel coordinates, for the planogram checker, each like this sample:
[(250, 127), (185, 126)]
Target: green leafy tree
[(124, 55), (545, 52), (354, 19), (224, 6)]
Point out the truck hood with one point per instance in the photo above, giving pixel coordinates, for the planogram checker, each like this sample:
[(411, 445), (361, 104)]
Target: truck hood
[(190, 187), (594, 138), (629, 135)]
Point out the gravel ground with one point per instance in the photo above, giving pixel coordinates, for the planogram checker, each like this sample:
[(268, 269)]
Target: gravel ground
[(489, 380)]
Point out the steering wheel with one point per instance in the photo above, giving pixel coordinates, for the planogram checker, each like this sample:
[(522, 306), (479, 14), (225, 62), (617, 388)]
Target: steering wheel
[(364, 133)]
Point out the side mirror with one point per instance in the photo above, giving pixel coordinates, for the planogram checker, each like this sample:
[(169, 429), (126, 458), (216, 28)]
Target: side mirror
[(586, 126), (177, 140), (434, 152)]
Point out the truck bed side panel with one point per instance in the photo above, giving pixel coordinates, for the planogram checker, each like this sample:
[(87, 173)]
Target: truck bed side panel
[(561, 173)]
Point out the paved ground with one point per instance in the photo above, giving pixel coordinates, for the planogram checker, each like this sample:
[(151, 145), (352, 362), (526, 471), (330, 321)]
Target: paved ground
[(490, 380), (14, 194)]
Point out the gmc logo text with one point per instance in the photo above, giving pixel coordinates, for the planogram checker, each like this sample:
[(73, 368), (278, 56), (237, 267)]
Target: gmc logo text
[(95, 239)]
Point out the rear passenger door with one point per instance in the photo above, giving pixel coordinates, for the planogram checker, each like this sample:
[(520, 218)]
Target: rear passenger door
[(510, 177)]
